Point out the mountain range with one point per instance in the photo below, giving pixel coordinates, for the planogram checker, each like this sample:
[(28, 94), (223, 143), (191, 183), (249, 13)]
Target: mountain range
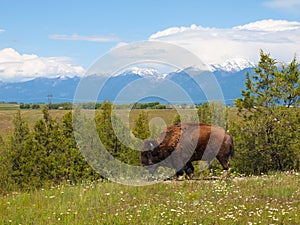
[(229, 75)]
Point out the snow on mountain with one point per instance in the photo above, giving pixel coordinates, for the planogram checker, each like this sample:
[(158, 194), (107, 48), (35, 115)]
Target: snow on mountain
[(232, 65), (63, 77), (229, 66), (144, 72)]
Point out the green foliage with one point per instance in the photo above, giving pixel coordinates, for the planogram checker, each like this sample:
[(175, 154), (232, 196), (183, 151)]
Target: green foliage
[(21, 129), (91, 105), (24, 106), (213, 113), (141, 129), (267, 144), (267, 134), (149, 105), (176, 119), (115, 136), (35, 106), (29, 106), (6, 182), (63, 105), (16, 148), (290, 84), (76, 167), (46, 155), (271, 86)]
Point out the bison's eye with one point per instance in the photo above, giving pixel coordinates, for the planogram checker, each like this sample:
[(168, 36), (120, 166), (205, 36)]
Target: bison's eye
[(155, 153)]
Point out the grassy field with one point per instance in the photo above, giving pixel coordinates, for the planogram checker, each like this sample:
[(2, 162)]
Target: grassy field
[(157, 116), (30, 115), (253, 200), (7, 113)]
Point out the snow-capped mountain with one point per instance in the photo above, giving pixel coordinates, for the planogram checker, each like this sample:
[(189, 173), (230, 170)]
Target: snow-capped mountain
[(144, 72), (232, 65), (230, 76)]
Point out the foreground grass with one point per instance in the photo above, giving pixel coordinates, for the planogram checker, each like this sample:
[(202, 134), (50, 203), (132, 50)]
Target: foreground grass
[(255, 200)]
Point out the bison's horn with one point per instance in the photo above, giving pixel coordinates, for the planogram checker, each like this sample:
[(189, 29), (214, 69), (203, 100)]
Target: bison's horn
[(152, 146)]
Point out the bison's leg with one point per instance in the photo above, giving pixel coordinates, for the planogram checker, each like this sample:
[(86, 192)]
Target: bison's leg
[(179, 173), (225, 164), (189, 169)]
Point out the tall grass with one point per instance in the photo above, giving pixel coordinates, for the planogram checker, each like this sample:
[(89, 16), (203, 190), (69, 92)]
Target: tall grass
[(252, 200)]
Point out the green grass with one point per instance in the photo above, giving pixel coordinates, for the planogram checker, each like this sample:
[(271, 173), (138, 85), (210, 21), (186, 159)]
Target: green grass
[(253, 200)]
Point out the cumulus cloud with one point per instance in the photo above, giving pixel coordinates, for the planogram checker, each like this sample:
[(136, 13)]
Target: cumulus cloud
[(76, 37), (283, 4), (280, 38), (15, 66)]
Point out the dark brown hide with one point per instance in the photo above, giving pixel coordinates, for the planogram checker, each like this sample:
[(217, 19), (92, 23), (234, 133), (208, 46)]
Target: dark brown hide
[(183, 143)]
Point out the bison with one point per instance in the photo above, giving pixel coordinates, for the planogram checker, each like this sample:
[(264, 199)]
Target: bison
[(181, 144)]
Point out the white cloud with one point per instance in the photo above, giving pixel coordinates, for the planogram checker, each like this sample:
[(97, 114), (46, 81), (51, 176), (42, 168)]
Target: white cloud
[(1, 30), (280, 38), (283, 4), (270, 26), (174, 30), (15, 66), (76, 37)]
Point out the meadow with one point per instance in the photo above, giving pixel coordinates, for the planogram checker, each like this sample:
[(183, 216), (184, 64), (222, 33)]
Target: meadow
[(8, 111), (265, 199)]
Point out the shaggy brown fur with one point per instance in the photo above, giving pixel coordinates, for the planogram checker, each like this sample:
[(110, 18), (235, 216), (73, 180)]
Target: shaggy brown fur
[(183, 143)]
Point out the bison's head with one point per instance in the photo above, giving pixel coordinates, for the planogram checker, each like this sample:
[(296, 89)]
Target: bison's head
[(150, 153)]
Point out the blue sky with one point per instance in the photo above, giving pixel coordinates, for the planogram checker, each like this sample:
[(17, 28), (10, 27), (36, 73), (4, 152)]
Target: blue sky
[(73, 34)]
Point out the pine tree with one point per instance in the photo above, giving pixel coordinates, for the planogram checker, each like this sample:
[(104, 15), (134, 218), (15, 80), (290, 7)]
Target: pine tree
[(6, 182), (115, 136), (18, 140), (21, 129), (266, 135), (141, 128), (271, 86), (290, 84), (76, 167)]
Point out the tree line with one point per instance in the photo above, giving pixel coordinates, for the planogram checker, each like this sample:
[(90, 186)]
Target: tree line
[(265, 128)]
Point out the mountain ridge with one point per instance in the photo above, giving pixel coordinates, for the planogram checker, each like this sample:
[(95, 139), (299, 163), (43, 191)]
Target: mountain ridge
[(63, 88)]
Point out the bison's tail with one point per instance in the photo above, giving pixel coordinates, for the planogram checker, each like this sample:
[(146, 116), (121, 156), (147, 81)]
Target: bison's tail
[(232, 150), (230, 141)]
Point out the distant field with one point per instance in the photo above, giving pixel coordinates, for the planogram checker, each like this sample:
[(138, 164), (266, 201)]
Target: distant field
[(8, 106), (156, 116), (249, 200), (7, 113)]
